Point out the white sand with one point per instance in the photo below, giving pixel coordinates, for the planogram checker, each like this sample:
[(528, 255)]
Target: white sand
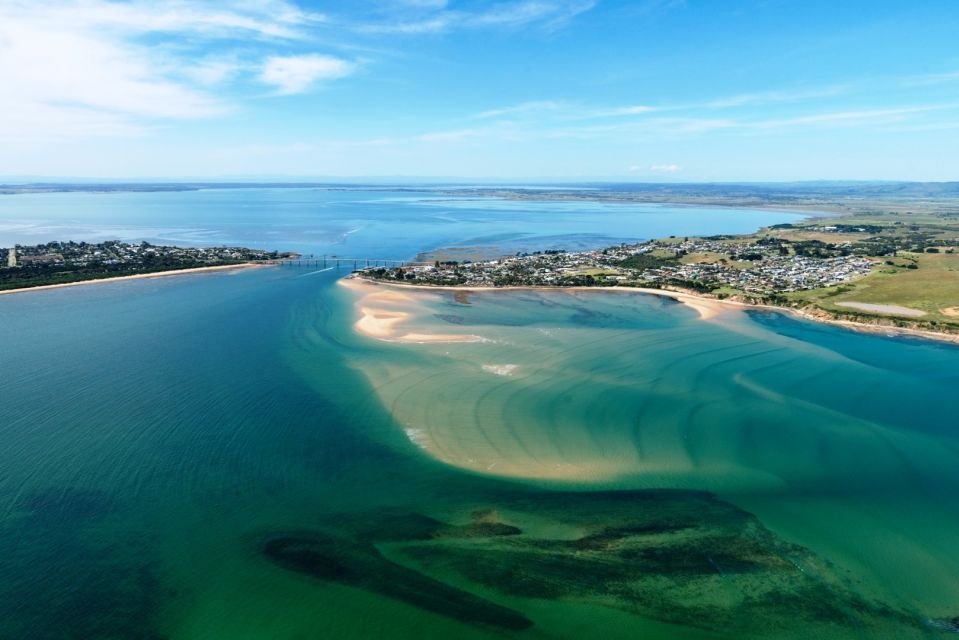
[(383, 312)]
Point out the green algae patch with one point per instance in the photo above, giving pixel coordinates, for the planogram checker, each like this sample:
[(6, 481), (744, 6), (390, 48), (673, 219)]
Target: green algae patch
[(674, 556), (357, 564)]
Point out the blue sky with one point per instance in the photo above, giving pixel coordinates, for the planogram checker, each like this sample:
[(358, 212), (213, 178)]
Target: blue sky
[(648, 90)]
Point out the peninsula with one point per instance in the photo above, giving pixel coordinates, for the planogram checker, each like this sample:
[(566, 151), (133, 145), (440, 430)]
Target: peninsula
[(67, 263), (894, 268)]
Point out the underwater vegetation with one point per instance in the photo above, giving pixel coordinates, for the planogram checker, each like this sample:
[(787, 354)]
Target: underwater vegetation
[(682, 557), (357, 562)]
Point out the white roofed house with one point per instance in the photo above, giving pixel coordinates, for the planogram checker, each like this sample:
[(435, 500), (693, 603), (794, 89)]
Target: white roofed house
[(11, 257)]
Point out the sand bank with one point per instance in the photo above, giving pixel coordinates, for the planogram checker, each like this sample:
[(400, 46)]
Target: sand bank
[(137, 276), (384, 311)]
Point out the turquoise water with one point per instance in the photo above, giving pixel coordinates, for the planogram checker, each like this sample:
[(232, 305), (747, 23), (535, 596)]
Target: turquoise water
[(223, 456)]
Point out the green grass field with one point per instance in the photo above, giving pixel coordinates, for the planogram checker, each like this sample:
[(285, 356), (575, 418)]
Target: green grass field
[(933, 288)]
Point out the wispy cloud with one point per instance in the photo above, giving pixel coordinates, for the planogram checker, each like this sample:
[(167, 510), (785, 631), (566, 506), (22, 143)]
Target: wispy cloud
[(665, 168), (846, 118), (656, 168), (606, 129), (271, 18), (615, 112), (421, 17), (564, 110), (99, 68), (59, 67), (213, 70), (775, 96), (524, 107), (452, 136), (296, 74), (553, 119), (932, 79)]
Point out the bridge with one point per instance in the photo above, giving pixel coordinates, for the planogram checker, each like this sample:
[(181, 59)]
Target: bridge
[(339, 261)]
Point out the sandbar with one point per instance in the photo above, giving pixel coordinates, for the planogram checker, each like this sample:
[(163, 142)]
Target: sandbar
[(384, 311)]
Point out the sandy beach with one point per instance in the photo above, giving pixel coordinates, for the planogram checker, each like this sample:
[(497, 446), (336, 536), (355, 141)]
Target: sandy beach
[(708, 308), (137, 276)]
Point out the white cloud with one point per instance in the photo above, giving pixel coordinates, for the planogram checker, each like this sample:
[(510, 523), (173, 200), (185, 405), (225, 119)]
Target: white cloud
[(426, 16), (213, 71), (665, 168), (775, 96), (274, 19), (81, 68), (420, 4), (552, 14), (452, 136), (50, 69), (621, 111), (932, 78), (524, 107), (847, 118), (296, 74), (565, 111)]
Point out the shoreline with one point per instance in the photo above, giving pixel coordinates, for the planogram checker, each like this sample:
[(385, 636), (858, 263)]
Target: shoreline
[(708, 307), (135, 276)]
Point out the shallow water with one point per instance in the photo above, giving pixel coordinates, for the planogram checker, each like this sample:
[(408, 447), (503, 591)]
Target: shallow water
[(625, 390), (223, 456)]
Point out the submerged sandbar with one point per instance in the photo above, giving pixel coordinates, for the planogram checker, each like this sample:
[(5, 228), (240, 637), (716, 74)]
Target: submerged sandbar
[(385, 311), (589, 386)]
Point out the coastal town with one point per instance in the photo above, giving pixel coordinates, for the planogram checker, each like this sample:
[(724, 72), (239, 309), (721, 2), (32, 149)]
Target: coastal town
[(720, 264), (114, 252), (27, 266)]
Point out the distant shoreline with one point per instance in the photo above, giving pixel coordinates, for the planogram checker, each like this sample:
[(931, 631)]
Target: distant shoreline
[(708, 307), (135, 276)]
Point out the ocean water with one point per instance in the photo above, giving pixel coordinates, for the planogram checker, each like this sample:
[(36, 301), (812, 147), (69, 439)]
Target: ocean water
[(224, 456)]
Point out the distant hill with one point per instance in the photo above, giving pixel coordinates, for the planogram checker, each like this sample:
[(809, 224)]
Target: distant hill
[(773, 191)]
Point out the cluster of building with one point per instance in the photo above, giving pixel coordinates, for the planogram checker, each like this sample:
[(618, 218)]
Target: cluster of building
[(752, 267), (772, 274), (81, 254)]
